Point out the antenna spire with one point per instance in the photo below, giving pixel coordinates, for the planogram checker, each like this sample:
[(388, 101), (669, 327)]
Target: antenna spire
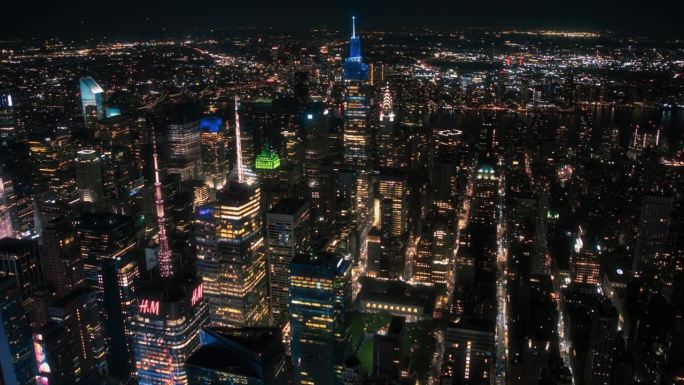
[(238, 144), (353, 27), (164, 253)]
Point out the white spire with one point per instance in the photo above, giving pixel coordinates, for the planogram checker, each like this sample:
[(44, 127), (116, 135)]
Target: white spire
[(164, 253), (238, 144), (353, 27)]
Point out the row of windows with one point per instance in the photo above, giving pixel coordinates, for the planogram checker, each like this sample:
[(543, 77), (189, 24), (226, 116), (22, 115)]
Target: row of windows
[(380, 306)]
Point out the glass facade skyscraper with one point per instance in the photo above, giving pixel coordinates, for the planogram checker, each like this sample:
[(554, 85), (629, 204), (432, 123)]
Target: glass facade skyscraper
[(169, 317), (92, 97), (320, 295), (288, 231), (231, 258), (230, 249)]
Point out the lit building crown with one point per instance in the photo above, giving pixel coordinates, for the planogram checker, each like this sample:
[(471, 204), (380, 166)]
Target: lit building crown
[(354, 67), (267, 159), (386, 110)]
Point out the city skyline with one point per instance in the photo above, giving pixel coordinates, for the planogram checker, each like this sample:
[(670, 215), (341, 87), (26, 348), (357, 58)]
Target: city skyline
[(361, 205), (79, 19)]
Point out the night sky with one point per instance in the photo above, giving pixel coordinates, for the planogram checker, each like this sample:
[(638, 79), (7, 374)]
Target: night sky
[(21, 18)]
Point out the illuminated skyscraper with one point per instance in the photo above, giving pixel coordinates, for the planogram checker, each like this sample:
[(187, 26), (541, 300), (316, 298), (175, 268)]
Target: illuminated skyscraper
[(356, 137), (52, 155), (287, 229), (356, 142), (92, 100), (538, 263), (392, 186), (230, 249), (7, 208), (354, 67), (485, 192), (56, 356), (166, 326), (320, 295), (79, 315), (170, 314), (650, 254), (89, 178), (8, 123), (387, 152), (214, 147), (60, 259), (19, 260), (584, 267), (185, 150), (106, 244), (449, 175)]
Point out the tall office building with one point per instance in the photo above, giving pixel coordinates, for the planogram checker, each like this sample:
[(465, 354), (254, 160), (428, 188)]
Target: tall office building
[(356, 139), (288, 234), (60, 259), (422, 261), (17, 364), (56, 356), (485, 193), (356, 142), (230, 249), (166, 327), (92, 100), (250, 356), (387, 152), (89, 179), (106, 244), (79, 316), (320, 295), (101, 237), (117, 296), (538, 264), (8, 209), (468, 352), (602, 345), (9, 131), (584, 267), (392, 186), (450, 165), (214, 148), (184, 144), (170, 314), (52, 156), (652, 236), (19, 260)]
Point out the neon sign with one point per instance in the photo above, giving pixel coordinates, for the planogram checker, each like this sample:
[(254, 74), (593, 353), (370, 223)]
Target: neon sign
[(197, 294), (149, 307), (41, 360)]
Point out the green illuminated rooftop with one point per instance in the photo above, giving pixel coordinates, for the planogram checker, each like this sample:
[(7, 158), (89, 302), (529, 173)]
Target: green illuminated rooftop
[(267, 160)]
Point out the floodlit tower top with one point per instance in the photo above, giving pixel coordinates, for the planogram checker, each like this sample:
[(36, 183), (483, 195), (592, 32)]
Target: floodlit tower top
[(238, 144), (164, 254)]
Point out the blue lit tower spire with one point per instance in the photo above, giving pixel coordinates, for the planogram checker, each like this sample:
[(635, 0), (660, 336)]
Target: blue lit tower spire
[(354, 42), (354, 67)]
